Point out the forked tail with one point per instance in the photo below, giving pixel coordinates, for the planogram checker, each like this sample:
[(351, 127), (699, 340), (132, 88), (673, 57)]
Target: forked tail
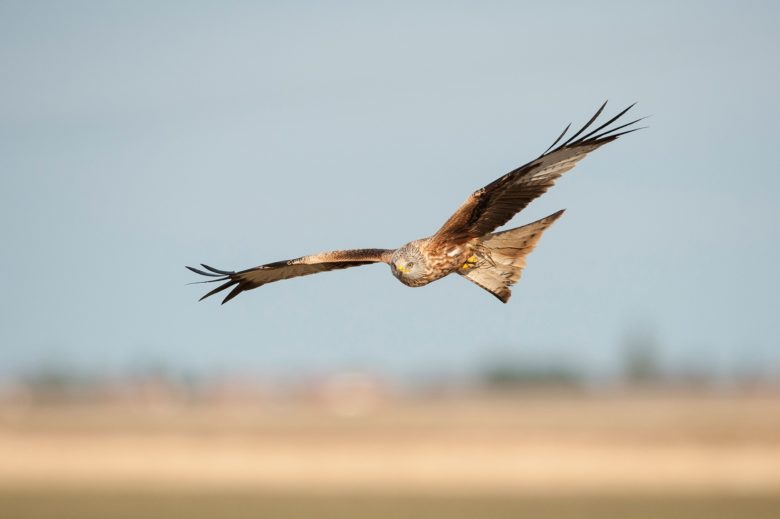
[(503, 254)]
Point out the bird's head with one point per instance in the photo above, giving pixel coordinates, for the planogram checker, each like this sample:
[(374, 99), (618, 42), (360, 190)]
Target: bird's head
[(408, 263)]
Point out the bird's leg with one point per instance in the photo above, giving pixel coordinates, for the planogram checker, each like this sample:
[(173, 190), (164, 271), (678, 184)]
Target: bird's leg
[(470, 263)]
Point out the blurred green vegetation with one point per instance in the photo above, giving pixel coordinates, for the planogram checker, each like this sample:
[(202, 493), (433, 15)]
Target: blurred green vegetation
[(508, 375)]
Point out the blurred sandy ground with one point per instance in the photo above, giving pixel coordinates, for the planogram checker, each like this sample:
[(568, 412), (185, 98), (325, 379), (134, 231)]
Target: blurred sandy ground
[(362, 439)]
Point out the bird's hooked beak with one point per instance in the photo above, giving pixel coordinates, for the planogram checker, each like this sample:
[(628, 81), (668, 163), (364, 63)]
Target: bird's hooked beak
[(399, 267)]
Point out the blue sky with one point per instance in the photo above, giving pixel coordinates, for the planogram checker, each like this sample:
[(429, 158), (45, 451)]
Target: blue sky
[(139, 137)]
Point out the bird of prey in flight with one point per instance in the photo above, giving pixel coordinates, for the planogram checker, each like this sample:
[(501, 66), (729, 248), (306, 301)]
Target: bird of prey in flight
[(466, 243)]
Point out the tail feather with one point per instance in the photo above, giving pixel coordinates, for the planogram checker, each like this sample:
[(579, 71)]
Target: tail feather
[(502, 256)]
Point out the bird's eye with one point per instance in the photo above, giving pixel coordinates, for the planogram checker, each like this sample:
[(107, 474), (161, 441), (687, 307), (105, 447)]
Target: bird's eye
[(409, 265)]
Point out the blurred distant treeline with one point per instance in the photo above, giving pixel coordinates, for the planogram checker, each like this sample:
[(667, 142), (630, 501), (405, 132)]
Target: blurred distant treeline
[(641, 366)]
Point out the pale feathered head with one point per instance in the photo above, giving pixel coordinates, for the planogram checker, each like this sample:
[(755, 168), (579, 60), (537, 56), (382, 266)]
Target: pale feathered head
[(408, 263)]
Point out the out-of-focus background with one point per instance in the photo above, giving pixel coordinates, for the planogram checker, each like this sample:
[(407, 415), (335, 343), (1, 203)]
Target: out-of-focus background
[(634, 373)]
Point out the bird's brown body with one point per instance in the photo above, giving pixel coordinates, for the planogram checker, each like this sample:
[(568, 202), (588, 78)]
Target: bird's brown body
[(467, 243), (439, 262)]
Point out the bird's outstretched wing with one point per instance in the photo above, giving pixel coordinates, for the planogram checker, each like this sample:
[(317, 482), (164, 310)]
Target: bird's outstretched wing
[(496, 203), (259, 276)]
